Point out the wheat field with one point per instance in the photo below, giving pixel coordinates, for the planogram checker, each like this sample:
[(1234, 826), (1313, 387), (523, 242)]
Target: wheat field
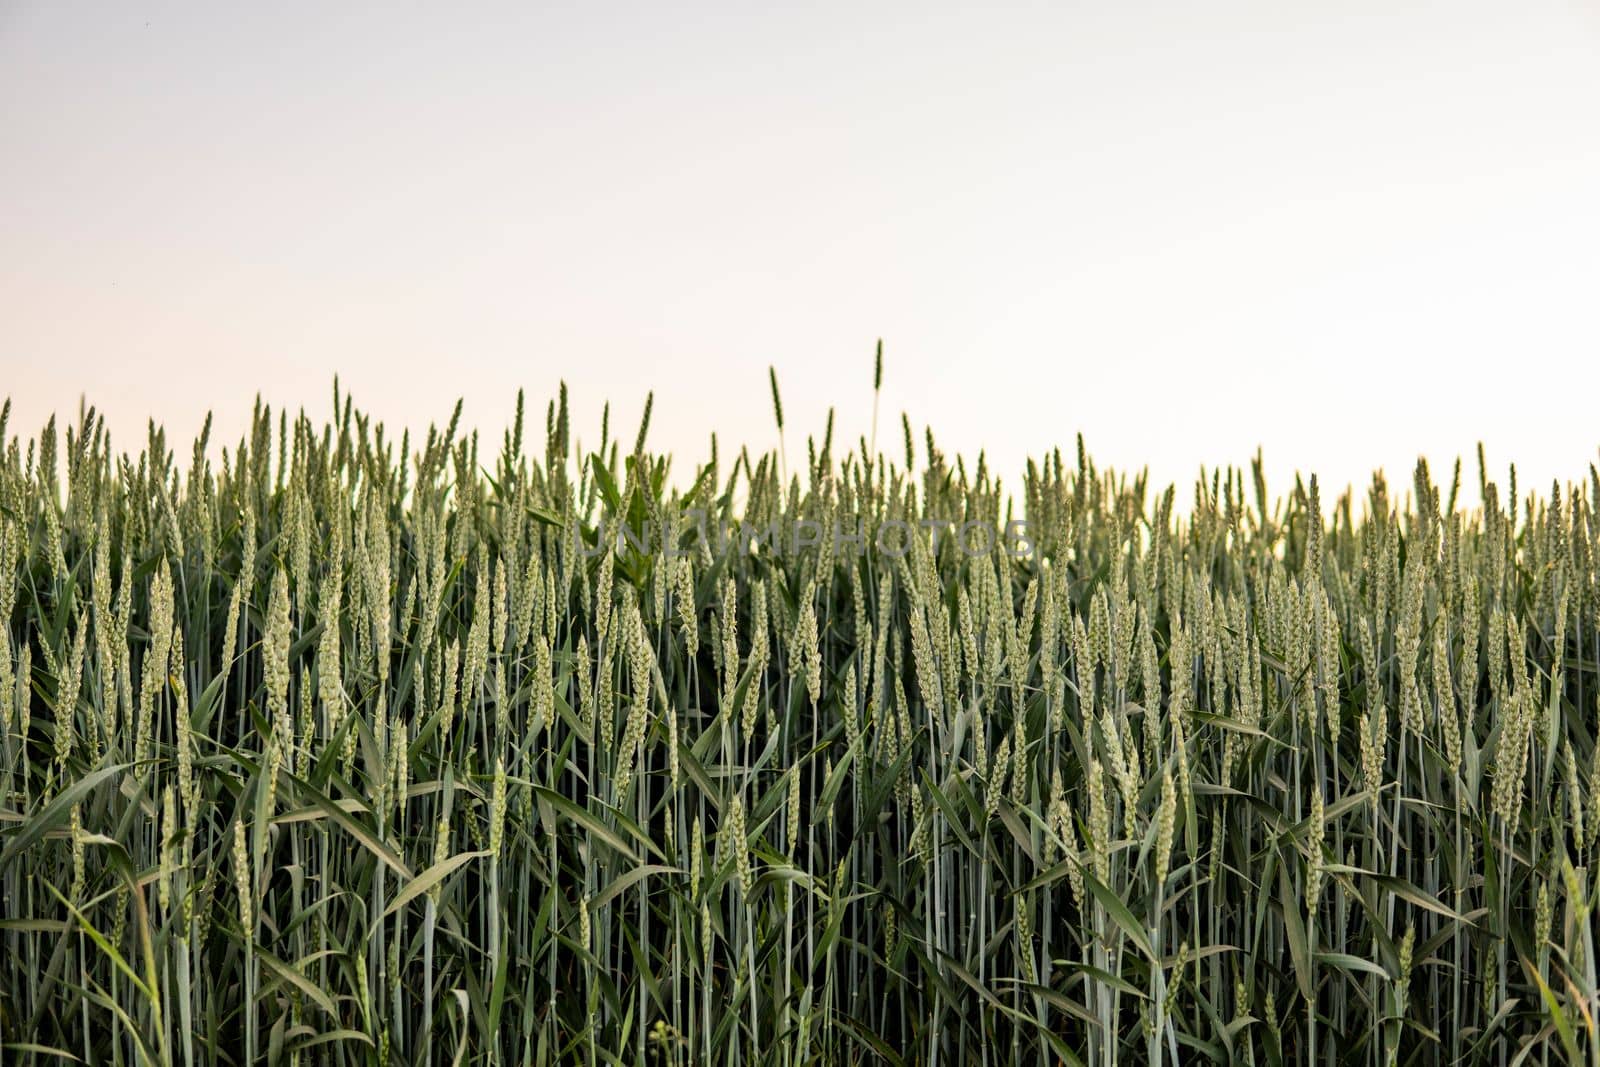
[(326, 747)]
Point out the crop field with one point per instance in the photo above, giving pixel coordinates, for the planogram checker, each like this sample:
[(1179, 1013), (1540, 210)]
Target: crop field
[(328, 747)]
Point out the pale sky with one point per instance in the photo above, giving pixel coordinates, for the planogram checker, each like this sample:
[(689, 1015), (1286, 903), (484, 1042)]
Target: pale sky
[(1349, 233)]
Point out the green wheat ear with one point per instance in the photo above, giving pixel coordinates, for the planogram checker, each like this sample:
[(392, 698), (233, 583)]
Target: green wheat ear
[(322, 748), (777, 401)]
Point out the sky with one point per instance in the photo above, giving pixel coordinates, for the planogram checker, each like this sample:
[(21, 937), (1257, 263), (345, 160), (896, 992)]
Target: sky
[(1349, 234)]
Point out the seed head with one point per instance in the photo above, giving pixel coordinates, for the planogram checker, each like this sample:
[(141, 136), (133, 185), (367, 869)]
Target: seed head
[(497, 808), (241, 875), (1166, 822)]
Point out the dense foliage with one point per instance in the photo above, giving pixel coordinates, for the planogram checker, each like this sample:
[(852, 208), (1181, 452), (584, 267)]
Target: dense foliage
[(332, 749)]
